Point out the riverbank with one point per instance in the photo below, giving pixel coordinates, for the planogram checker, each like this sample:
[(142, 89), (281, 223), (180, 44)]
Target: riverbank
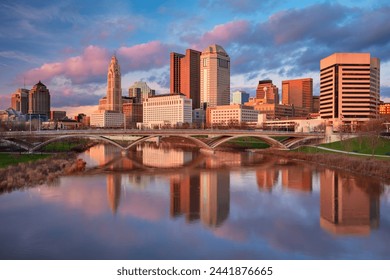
[(368, 166), (39, 172)]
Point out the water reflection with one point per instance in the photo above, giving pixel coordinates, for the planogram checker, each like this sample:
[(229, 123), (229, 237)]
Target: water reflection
[(228, 205), (349, 205)]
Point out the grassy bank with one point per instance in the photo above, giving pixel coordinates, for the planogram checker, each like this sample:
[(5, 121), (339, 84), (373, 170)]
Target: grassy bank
[(66, 146), (7, 159), (363, 145)]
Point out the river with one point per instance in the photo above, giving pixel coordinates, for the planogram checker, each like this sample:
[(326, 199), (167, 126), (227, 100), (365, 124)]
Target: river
[(177, 203)]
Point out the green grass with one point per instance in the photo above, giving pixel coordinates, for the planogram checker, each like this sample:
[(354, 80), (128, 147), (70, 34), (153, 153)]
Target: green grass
[(62, 146), (12, 159), (249, 142), (361, 145)]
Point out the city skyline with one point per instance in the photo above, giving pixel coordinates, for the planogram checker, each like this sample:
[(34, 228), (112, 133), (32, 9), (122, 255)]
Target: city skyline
[(67, 45)]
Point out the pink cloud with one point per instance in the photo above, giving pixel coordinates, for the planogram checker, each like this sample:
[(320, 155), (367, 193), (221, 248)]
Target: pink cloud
[(144, 56), (223, 34), (92, 63)]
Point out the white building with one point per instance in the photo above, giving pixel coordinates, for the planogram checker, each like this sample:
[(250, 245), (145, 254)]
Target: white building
[(104, 118), (239, 97), (214, 76), (167, 109), (234, 114)]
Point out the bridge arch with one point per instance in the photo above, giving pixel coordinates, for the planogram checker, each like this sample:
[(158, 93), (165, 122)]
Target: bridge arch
[(191, 138), (267, 139), (14, 143), (97, 137)]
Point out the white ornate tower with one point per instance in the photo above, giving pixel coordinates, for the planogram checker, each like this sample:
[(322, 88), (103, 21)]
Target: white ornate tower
[(114, 88)]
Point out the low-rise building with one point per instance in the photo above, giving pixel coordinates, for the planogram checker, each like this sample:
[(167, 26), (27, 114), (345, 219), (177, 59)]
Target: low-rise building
[(230, 115), (173, 109), (277, 111), (105, 118)]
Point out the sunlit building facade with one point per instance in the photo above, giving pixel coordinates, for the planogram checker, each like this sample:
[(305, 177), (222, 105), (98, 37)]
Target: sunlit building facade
[(114, 86), (298, 92), (167, 110), (267, 92), (235, 114), (19, 100), (185, 75), (214, 76), (349, 86)]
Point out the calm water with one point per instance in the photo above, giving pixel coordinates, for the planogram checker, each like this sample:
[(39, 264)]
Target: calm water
[(160, 203)]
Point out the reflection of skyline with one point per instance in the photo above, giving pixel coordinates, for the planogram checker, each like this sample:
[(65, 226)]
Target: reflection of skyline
[(164, 158), (346, 207), (113, 191), (292, 176), (204, 196), (297, 177)]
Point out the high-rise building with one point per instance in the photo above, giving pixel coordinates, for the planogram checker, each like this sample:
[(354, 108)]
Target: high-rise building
[(267, 91), (114, 89), (239, 97), (110, 109), (185, 75), (349, 86), (141, 91), (39, 100), (214, 76), (298, 92), (19, 100)]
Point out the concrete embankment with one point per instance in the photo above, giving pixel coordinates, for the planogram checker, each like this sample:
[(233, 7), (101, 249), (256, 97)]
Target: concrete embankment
[(39, 172)]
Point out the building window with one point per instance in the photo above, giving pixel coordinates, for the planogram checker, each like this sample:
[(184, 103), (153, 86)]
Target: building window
[(204, 62)]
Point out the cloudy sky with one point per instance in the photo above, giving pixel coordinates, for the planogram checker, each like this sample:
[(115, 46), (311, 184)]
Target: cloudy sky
[(68, 44)]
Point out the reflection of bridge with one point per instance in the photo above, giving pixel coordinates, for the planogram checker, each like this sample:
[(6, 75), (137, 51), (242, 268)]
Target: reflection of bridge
[(206, 139)]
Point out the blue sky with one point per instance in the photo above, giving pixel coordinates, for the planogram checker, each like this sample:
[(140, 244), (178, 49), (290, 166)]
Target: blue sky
[(68, 44)]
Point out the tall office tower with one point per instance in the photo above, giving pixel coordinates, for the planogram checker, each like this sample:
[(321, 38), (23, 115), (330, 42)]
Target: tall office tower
[(239, 97), (19, 100), (214, 76), (185, 75), (349, 86), (267, 91), (298, 92), (39, 100), (141, 88), (114, 90)]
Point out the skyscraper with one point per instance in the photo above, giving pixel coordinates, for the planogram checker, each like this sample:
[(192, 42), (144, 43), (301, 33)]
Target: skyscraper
[(267, 91), (349, 86), (185, 75), (39, 100), (298, 92), (141, 91), (214, 76), (19, 100), (114, 89)]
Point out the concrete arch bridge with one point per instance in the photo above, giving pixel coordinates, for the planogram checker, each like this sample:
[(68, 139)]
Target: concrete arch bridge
[(205, 139)]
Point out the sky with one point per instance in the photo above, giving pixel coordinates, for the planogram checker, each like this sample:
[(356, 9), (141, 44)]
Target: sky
[(68, 44)]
